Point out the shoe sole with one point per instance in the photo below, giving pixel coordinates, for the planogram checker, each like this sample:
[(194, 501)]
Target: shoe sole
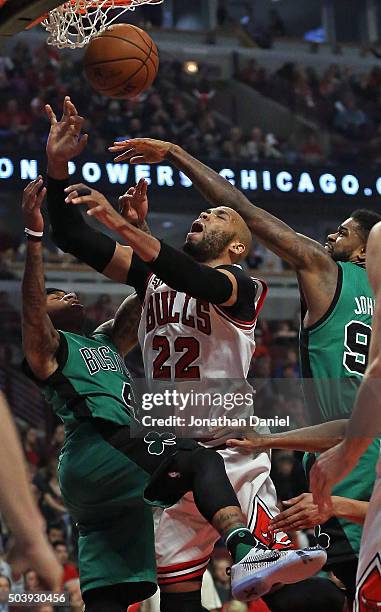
[(297, 566)]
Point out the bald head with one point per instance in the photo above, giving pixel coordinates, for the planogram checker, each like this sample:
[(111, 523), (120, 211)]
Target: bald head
[(241, 231)]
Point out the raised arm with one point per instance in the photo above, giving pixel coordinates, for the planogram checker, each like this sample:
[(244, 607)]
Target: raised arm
[(298, 250), (172, 266), (69, 230), (40, 339), (316, 438), (316, 270)]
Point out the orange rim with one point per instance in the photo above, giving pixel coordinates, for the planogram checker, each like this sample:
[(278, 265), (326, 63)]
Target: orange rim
[(95, 3), (73, 4)]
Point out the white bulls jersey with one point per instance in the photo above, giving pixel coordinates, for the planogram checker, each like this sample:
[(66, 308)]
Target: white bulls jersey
[(186, 338)]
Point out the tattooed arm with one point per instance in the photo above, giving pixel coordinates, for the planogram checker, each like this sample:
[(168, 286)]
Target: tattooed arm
[(316, 271), (123, 329), (40, 339)]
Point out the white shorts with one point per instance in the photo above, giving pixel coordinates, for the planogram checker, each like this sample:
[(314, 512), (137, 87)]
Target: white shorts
[(185, 540), (368, 581)]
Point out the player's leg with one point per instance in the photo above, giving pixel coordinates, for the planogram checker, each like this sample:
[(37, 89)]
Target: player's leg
[(103, 491), (114, 598), (184, 541)]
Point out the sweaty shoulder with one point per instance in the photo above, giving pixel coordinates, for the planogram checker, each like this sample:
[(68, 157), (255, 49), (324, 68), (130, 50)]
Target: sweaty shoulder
[(248, 291)]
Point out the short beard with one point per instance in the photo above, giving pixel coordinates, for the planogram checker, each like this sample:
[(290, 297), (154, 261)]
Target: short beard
[(340, 256), (210, 247)]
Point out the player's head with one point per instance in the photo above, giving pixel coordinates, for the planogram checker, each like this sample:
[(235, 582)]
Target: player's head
[(218, 232), (64, 309), (348, 243)]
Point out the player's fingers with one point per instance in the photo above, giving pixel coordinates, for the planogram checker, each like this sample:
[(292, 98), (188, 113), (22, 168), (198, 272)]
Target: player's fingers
[(66, 109), (82, 143), (294, 500), (282, 521), (143, 188), (242, 444), (30, 186), (123, 143), (51, 115), (92, 212), (294, 526), (35, 187), (40, 197), (76, 187), (88, 200), (285, 514), (125, 155), (137, 159), (71, 107)]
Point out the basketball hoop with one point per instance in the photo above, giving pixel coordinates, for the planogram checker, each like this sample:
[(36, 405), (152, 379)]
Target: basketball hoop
[(75, 22)]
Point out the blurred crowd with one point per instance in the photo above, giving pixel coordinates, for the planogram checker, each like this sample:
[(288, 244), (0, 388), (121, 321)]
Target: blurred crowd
[(339, 100), (176, 108)]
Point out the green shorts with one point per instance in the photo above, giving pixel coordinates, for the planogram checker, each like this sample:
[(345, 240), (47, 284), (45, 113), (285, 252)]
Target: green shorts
[(103, 491)]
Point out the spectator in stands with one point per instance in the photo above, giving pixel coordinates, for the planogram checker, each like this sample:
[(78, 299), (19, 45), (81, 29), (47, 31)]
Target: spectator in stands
[(32, 582), (5, 568), (5, 588), (221, 579), (55, 533), (311, 150), (349, 119), (270, 149), (102, 310), (57, 441), (70, 570), (9, 319), (51, 504), (233, 147), (32, 447), (254, 146)]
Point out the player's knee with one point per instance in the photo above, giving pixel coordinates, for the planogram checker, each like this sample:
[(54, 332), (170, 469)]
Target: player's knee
[(207, 460), (174, 602), (198, 460)]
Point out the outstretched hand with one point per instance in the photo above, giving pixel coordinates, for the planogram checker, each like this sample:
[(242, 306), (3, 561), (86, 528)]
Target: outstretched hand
[(98, 206), (301, 513), (331, 467), (133, 205), (65, 140), (141, 150), (33, 196)]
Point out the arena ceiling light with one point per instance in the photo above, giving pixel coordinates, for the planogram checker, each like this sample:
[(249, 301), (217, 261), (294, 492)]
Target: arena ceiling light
[(190, 67)]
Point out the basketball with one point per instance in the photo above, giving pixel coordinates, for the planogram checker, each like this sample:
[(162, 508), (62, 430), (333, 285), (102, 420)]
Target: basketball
[(122, 61)]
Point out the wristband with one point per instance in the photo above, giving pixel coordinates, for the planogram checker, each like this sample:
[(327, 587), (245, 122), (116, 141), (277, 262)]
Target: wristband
[(32, 235)]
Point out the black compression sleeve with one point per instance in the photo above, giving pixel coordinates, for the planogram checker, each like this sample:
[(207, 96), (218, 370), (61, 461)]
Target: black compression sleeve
[(244, 308), (72, 234), (182, 273), (138, 275)]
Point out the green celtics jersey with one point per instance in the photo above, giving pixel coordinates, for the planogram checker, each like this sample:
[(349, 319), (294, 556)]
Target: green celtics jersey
[(334, 351), (91, 381), (334, 356)]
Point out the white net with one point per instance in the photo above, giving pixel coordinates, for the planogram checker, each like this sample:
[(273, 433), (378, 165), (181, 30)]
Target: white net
[(74, 23)]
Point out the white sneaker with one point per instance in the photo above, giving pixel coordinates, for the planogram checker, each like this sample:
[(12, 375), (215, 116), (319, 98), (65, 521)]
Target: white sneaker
[(260, 570)]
